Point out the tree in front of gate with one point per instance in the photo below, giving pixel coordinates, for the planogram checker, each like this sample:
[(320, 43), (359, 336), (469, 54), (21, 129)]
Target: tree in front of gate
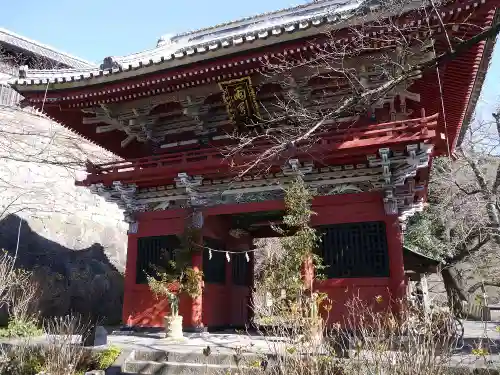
[(289, 279)]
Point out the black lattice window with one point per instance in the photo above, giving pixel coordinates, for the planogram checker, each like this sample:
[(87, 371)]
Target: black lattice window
[(154, 252), (355, 250), (240, 269), (214, 270)]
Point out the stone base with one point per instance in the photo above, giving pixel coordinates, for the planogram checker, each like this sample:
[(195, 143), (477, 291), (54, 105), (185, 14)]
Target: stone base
[(200, 329), (172, 340), (173, 327)]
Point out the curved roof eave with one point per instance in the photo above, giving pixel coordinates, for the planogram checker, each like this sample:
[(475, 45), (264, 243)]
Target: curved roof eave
[(43, 50), (477, 86), (216, 41)]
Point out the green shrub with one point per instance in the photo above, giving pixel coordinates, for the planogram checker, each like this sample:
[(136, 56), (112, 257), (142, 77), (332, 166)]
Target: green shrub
[(21, 328), (97, 360), (107, 357), (22, 360)]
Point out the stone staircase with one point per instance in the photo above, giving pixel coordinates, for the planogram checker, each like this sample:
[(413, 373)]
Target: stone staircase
[(157, 362)]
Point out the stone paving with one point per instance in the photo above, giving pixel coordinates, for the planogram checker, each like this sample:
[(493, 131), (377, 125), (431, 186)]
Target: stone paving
[(220, 342), (482, 329), (227, 344), (474, 332)]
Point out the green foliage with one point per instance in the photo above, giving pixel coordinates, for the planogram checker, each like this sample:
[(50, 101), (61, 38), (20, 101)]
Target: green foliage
[(299, 242), (456, 218), (171, 286), (107, 357), (97, 360), (189, 244), (480, 352), (426, 234), (25, 359), (178, 277), (17, 328), (22, 360), (165, 285), (191, 282), (426, 231)]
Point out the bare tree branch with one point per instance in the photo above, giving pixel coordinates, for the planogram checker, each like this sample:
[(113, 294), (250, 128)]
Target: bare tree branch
[(476, 286), (354, 95)]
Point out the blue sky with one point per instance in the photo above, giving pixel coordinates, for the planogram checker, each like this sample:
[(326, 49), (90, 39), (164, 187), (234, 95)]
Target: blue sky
[(94, 29), (490, 94)]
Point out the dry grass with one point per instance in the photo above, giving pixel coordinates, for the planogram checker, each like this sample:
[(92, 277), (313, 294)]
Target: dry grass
[(63, 353), (367, 342), (19, 293)]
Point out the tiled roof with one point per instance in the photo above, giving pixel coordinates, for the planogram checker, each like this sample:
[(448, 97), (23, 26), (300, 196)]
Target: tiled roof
[(478, 85), (10, 38), (266, 24), (283, 14), (215, 39)]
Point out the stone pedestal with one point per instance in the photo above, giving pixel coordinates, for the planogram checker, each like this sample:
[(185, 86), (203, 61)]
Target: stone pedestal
[(101, 336), (173, 327), (95, 336)]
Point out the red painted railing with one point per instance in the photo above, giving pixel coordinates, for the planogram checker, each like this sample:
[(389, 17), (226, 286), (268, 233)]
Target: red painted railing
[(375, 134)]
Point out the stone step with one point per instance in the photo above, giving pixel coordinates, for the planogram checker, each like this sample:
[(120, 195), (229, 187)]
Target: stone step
[(179, 368), (196, 356)]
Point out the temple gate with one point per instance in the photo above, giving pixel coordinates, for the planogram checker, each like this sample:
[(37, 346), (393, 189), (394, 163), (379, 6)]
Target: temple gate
[(169, 112)]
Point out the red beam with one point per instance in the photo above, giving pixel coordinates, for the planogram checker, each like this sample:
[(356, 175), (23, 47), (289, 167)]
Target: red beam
[(153, 169)]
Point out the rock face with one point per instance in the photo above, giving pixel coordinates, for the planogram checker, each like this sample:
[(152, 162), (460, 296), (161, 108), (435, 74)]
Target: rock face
[(73, 240)]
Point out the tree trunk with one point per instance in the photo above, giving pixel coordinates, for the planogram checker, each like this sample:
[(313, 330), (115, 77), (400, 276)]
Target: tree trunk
[(454, 290), (482, 284)]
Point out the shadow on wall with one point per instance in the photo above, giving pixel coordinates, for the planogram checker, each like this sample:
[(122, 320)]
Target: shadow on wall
[(80, 281)]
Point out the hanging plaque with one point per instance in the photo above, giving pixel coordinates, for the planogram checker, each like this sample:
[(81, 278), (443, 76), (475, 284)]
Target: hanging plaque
[(241, 103)]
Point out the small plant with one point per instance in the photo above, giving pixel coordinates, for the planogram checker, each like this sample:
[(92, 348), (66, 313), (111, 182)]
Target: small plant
[(166, 286), (107, 357), (178, 277), (480, 352), (22, 359), (62, 357), (17, 328), (282, 278), (172, 286)]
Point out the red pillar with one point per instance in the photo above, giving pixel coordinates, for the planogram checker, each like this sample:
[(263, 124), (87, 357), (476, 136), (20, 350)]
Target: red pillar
[(130, 276), (396, 262), (251, 282), (197, 303)]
